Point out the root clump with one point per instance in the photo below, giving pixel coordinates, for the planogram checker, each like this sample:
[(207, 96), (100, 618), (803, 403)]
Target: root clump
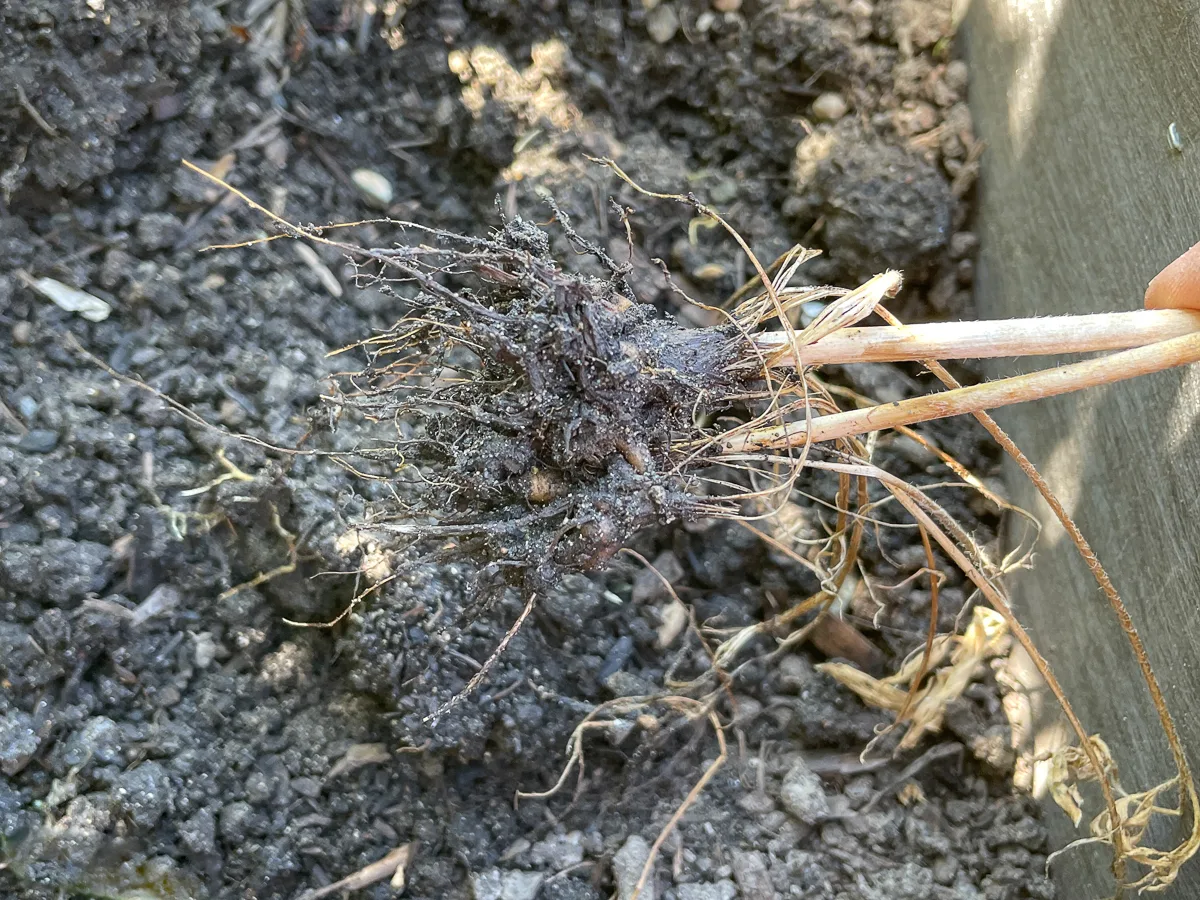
[(536, 409)]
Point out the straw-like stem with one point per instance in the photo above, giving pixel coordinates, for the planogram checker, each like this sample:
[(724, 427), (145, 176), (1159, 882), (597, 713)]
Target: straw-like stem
[(987, 339)]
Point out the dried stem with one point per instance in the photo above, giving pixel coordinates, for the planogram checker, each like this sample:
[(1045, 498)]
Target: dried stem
[(975, 398), (987, 339), (1187, 785)]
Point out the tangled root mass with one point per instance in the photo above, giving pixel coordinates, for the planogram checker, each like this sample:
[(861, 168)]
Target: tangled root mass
[(536, 410)]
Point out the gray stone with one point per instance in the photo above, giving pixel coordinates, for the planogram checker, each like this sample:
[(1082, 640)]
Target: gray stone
[(908, 882), (573, 602), (199, 833), (803, 795), (757, 803), (73, 839), (234, 819), (648, 586), (627, 869), (306, 787), (721, 890), (751, 874), (518, 885), (143, 793), (97, 741), (38, 440), (157, 231), (558, 851), (18, 741), (487, 885)]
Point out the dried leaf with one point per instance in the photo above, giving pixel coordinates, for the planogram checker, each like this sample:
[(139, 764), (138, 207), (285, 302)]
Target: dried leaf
[(942, 645), (1062, 790), (872, 690)]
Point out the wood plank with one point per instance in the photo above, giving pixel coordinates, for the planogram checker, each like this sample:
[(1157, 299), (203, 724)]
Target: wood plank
[(1083, 201)]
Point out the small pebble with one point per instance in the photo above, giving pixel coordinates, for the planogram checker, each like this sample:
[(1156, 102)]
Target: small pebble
[(18, 741), (956, 76), (143, 793), (487, 885), (68, 298), (757, 803), (861, 9), (306, 787), (27, 407), (721, 890), (375, 189), (963, 244), (830, 106), (231, 413), (519, 885), (39, 440), (662, 23), (558, 851), (199, 833), (803, 795), (205, 650), (727, 6), (99, 741), (1174, 137), (750, 873), (627, 866), (22, 332)]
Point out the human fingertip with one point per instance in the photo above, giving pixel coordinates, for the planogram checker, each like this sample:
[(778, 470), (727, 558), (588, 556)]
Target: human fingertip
[(1178, 285)]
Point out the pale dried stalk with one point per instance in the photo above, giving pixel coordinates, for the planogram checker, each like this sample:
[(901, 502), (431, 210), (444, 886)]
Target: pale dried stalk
[(1145, 360), (985, 340)]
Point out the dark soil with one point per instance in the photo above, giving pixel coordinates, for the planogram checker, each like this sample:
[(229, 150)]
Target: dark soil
[(165, 733)]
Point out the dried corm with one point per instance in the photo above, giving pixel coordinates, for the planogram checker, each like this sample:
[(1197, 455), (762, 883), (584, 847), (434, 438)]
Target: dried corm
[(535, 410)]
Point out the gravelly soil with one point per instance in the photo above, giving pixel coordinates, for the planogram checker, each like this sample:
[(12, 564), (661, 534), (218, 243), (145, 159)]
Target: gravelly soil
[(164, 733)]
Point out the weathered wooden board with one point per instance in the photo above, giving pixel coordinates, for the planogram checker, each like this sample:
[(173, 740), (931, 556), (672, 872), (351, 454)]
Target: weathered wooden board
[(1083, 201)]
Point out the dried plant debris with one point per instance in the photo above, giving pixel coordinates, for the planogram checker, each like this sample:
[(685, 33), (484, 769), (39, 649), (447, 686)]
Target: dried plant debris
[(537, 418), (986, 636)]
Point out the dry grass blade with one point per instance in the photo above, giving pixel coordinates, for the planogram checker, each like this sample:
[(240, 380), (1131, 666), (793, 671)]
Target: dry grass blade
[(1163, 865), (1078, 376)]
